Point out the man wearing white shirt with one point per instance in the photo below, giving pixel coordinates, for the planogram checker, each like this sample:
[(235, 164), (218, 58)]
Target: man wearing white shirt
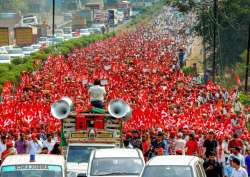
[(34, 146), (49, 143), (238, 171), (97, 93)]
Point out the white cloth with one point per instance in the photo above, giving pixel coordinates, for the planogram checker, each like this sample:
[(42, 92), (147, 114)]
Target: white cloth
[(180, 144), (49, 145), (97, 93), (34, 147), (241, 172)]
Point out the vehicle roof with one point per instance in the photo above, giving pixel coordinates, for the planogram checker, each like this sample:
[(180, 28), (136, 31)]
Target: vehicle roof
[(40, 159), (173, 160), (119, 152), (92, 144)]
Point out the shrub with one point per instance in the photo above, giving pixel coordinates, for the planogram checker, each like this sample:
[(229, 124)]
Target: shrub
[(11, 72)]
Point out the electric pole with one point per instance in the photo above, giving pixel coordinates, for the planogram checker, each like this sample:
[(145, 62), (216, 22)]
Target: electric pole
[(53, 18), (215, 36), (247, 65)]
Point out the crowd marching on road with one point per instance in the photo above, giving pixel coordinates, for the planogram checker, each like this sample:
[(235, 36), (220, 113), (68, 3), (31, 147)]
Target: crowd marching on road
[(172, 113)]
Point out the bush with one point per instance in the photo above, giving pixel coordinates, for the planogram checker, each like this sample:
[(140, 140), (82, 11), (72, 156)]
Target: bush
[(187, 70), (244, 98), (12, 72)]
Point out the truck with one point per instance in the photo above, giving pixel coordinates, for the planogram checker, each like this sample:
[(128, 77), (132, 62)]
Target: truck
[(89, 130), (81, 19), (29, 20)]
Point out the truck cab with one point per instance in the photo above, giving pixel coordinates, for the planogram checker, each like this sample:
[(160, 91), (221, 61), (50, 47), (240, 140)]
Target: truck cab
[(43, 166), (78, 155), (29, 20), (84, 133)]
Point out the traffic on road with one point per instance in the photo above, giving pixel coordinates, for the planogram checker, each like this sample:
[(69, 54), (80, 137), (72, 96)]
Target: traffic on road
[(122, 106)]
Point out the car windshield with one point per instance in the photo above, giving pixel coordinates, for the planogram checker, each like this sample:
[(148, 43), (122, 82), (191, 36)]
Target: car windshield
[(43, 39), (116, 166), (34, 170), (84, 30), (36, 46), (85, 151), (29, 20), (27, 49), (15, 51), (167, 171)]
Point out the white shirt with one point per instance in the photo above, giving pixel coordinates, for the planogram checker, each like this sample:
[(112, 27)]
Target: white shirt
[(34, 148), (97, 93), (49, 145), (180, 144), (241, 172)]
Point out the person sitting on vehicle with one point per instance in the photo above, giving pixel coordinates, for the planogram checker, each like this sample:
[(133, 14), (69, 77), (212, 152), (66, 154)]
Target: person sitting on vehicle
[(97, 93)]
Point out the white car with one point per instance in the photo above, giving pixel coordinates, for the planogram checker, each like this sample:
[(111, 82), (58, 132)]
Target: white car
[(5, 58), (15, 53), (7, 47), (76, 163), (36, 47), (115, 162), (43, 166), (3, 50), (67, 36), (84, 32), (174, 166), (28, 50)]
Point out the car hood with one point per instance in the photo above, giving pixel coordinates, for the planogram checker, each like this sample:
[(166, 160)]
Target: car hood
[(72, 166)]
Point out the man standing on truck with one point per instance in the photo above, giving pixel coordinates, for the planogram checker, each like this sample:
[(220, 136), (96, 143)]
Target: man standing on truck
[(97, 93)]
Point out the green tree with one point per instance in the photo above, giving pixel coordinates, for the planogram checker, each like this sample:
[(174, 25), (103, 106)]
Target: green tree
[(233, 21)]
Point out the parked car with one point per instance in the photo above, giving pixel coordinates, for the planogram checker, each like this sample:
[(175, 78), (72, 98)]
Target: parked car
[(174, 166), (67, 36), (42, 166), (42, 40), (115, 162), (15, 53), (76, 163), (59, 32), (7, 47), (95, 30), (84, 32), (5, 58), (36, 47), (3, 50), (28, 50)]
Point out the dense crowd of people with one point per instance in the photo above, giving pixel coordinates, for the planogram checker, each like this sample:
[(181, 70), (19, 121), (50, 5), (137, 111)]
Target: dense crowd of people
[(172, 113)]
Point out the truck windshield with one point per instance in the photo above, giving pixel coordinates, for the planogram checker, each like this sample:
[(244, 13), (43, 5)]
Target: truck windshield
[(81, 154), (116, 166), (31, 170), (29, 20)]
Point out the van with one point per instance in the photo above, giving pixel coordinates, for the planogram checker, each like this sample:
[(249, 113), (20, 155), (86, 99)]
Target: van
[(78, 155), (43, 166), (174, 166), (118, 162)]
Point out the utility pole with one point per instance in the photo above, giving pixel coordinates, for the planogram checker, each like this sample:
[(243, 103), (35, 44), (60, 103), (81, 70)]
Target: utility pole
[(247, 65), (215, 36), (53, 17)]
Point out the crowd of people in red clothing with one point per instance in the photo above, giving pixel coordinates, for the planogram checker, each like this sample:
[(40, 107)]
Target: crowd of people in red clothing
[(142, 68)]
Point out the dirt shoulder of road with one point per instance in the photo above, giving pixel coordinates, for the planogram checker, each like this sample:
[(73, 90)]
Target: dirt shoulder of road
[(196, 55)]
